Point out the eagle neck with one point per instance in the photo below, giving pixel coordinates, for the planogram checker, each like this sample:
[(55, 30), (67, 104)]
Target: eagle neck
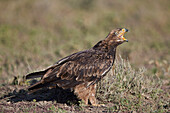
[(104, 46), (113, 53)]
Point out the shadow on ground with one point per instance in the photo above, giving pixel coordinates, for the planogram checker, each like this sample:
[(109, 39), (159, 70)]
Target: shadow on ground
[(55, 94), (15, 98)]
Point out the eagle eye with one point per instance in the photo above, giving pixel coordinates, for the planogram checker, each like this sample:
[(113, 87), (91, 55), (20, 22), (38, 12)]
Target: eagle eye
[(116, 33)]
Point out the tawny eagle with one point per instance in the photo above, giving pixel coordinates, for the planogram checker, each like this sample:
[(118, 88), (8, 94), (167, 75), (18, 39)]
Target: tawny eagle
[(82, 70)]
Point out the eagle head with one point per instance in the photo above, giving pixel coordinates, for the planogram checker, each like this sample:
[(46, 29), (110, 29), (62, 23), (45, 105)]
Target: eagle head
[(118, 35), (113, 39)]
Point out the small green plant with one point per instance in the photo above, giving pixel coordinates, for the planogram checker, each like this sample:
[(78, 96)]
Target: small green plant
[(34, 100), (55, 109), (59, 110), (52, 108)]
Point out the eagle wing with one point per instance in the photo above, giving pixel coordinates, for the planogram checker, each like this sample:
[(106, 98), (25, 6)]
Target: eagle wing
[(87, 66)]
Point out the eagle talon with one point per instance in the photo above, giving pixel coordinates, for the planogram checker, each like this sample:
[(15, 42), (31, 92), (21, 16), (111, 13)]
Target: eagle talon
[(99, 105)]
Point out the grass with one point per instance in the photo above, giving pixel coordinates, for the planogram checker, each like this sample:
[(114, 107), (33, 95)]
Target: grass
[(123, 89), (35, 34), (131, 90)]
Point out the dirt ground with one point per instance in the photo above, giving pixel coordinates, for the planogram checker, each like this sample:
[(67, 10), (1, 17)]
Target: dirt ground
[(15, 98)]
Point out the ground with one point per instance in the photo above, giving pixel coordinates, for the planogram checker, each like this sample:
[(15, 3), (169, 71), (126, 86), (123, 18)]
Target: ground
[(123, 89), (44, 101), (16, 99)]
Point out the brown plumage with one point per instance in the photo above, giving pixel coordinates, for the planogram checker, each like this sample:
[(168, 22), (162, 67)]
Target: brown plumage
[(82, 70)]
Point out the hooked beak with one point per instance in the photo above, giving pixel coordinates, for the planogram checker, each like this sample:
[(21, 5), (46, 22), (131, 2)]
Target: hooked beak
[(124, 39)]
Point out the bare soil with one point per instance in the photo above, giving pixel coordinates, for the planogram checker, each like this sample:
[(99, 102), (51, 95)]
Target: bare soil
[(15, 98)]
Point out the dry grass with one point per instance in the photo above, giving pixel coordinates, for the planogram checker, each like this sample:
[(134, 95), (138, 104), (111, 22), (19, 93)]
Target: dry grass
[(132, 90), (123, 89)]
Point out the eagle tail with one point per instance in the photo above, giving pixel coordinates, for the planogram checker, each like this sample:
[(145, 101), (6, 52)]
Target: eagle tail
[(36, 74), (41, 84), (37, 86)]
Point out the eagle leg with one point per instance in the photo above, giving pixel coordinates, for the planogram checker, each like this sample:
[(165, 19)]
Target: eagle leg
[(92, 97), (87, 94), (92, 94), (82, 92)]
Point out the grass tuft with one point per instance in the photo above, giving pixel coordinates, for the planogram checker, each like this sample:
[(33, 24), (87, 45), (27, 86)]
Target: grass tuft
[(130, 89)]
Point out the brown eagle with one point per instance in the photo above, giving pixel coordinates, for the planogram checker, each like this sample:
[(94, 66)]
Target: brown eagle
[(82, 70)]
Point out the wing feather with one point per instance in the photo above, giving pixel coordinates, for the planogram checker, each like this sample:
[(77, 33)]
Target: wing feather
[(85, 69), (77, 68)]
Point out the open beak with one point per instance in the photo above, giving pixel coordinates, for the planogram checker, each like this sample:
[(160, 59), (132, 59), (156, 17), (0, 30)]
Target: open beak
[(124, 30), (124, 39)]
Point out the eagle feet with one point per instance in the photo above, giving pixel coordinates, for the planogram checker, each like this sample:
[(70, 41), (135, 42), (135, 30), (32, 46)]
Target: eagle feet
[(99, 105)]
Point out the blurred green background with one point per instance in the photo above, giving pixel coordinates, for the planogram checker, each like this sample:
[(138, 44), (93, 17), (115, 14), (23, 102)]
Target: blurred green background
[(36, 33)]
